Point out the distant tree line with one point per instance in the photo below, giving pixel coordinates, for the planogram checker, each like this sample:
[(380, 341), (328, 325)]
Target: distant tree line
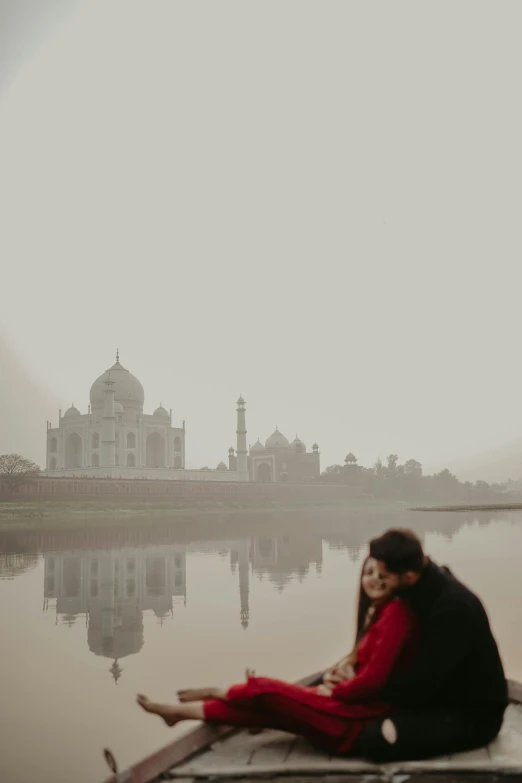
[(391, 480), (408, 482)]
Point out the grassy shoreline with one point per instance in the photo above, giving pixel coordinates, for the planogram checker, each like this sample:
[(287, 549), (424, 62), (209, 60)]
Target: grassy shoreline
[(31, 515), (63, 515)]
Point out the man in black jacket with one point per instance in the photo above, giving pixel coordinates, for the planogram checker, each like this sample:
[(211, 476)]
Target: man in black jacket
[(454, 698)]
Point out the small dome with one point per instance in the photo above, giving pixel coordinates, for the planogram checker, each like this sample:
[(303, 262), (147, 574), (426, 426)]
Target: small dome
[(127, 389), (277, 441), (161, 413), (315, 447), (118, 407), (258, 446), (298, 444), (221, 466), (350, 457), (231, 450), (71, 413), (241, 401)]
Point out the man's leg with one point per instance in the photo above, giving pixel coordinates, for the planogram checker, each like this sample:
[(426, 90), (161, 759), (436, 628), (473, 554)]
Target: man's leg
[(426, 733)]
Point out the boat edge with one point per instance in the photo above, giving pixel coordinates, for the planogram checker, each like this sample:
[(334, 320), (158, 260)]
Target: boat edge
[(204, 735)]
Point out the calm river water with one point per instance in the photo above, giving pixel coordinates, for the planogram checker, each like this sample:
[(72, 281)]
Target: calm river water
[(89, 618)]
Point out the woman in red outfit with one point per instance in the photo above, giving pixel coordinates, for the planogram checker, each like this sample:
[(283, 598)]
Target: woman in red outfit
[(331, 715)]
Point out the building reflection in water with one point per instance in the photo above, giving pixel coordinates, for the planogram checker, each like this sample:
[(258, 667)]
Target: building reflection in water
[(13, 564), (112, 590), (280, 559), (113, 587)]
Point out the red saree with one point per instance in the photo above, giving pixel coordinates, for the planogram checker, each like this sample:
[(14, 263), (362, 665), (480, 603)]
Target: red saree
[(330, 722)]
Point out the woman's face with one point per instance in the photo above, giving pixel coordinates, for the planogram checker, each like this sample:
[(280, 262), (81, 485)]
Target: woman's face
[(372, 584)]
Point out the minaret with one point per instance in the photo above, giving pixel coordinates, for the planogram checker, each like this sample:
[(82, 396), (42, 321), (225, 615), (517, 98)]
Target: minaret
[(107, 578), (242, 465), (108, 444), (244, 586)]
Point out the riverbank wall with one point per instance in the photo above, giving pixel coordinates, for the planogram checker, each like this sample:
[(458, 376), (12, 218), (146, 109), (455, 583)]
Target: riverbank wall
[(45, 488)]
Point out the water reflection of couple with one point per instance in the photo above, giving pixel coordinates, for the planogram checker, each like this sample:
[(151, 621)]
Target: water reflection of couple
[(424, 678)]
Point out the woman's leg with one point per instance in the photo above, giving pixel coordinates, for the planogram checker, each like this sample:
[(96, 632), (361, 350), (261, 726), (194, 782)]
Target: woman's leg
[(213, 711), (201, 694), (205, 694), (267, 703), (172, 713), (282, 716), (275, 704)]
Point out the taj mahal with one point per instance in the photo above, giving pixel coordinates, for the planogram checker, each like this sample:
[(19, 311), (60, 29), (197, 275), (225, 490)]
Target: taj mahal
[(116, 439)]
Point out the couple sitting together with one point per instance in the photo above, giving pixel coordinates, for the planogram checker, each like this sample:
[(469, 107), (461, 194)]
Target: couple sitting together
[(424, 677)]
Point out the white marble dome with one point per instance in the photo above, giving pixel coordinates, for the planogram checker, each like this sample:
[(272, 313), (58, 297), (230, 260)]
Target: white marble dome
[(258, 446), (127, 388), (161, 413), (118, 407), (277, 441), (71, 413)]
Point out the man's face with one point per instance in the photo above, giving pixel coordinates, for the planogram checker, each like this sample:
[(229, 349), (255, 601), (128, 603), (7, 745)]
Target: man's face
[(394, 581)]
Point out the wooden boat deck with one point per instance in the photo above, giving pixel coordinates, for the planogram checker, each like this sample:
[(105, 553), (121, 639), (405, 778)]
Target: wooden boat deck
[(212, 753)]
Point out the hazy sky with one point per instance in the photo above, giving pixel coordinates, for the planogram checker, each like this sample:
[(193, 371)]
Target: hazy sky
[(314, 204)]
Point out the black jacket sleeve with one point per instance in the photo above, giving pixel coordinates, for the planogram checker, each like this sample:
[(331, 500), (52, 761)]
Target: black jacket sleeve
[(446, 641)]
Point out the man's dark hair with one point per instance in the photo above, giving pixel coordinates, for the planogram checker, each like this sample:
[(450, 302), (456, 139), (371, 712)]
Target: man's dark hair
[(399, 550)]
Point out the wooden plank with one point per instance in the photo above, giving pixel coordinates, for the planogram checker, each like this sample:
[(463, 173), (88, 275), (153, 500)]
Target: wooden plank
[(308, 768), (215, 759), (238, 751), (513, 717), (231, 745), (505, 754), (181, 749), (348, 764), (333, 779), (275, 751), (170, 755), (302, 751), (253, 742), (515, 691), (379, 778), (456, 777), (439, 765), (506, 749), (470, 759)]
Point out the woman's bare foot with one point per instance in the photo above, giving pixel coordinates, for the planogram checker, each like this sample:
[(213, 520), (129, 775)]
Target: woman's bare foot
[(168, 712), (201, 694)]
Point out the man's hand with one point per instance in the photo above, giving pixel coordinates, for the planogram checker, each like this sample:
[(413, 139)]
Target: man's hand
[(331, 678), (324, 690), (345, 672), (341, 672)]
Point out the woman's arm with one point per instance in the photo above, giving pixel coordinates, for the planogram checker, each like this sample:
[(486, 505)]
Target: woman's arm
[(391, 631)]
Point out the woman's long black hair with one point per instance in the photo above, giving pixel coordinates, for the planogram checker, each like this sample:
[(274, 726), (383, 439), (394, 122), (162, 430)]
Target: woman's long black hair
[(363, 605)]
